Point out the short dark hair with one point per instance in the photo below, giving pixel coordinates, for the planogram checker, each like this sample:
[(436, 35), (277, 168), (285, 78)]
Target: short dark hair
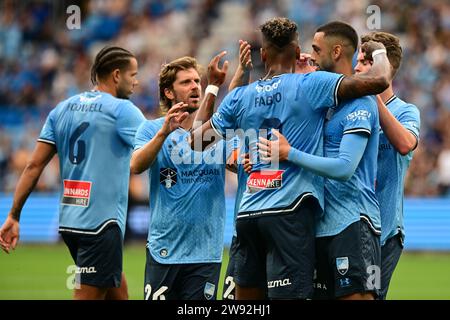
[(279, 31), (109, 59), (168, 75), (342, 30), (393, 49)]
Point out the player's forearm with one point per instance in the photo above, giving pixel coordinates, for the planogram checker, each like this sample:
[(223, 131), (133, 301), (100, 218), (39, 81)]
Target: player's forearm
[(144, 157), (240, 78), (205, 111), (333, 168), (341, 168), (401, 138), (27, 182), (202, 137), (375, 81)]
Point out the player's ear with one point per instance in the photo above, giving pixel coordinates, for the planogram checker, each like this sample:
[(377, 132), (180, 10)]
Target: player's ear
[(337, 51), (116, 75), (297, 53), (169, 94)]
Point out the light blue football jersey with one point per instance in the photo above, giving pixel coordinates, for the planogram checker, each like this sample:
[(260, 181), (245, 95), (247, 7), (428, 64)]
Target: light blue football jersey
[(352, 200), (187, 198), (296, 105), (93, 133), (392, 167)]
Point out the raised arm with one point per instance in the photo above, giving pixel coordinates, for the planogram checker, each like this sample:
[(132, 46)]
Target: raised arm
[(373, 82), (144, 157), (9, 232), (242, 75), (216, 77)]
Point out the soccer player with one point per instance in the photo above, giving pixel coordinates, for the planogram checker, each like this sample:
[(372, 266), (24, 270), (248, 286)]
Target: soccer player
[(187, 188), (93, 134), (400, 124), (275, 224), (241, 77), (348, 234)]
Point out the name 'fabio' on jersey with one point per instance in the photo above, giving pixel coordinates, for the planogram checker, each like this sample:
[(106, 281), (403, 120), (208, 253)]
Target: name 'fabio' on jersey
[(296, 105), (93, 133)]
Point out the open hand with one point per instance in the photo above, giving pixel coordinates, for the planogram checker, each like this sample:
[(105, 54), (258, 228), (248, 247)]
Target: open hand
[(9, 234), (175, 116), (216, 76)]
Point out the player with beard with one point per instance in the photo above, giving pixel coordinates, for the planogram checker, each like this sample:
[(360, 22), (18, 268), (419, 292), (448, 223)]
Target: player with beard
[(187, 188)]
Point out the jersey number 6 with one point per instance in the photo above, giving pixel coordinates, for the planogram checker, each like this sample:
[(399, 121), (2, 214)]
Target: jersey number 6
[(81, 145)]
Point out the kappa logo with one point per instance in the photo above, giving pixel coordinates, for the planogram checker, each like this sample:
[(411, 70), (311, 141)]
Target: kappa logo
[(342, 265), (168, 177), (209, 290)]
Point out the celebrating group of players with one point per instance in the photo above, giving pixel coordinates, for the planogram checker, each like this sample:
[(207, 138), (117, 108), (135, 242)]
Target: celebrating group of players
[(320, 162)]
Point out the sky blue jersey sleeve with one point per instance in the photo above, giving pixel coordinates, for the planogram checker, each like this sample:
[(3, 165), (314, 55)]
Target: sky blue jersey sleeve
[(144, 134), (410, 119), (321, 88), (225, 118), (47, 134), (343, 167), (362, 117), (129, 118)]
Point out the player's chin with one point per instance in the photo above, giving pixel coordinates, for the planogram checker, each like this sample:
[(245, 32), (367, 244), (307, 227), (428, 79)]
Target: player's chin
[(191, 108)]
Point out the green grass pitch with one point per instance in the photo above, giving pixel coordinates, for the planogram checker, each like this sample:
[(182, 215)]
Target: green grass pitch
[(40, 272)]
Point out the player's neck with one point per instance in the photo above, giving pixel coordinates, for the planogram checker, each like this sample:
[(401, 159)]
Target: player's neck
[(277, 68), (343, 67), (105, 88), (189, 121), (387, 94)]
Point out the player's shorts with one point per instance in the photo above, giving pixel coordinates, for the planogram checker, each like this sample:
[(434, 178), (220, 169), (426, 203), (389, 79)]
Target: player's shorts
[(98, 257), (276, 252), (390, 255), (348, 262), (191, 281), (229, 287)]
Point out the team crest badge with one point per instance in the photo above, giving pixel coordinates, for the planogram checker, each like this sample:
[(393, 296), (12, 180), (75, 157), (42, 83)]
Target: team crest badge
[(342, 265), (209, 290), (168, 177)]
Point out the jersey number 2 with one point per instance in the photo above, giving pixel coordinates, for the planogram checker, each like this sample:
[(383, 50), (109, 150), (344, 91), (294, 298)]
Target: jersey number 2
[(81, 145)]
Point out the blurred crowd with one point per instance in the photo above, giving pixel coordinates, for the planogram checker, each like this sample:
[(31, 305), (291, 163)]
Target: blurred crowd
[(42, 62)]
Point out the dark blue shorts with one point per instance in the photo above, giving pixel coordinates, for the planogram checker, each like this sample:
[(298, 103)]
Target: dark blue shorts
[(390, 255), (193, 281), (348, 262), (276, 252), (98, 257)]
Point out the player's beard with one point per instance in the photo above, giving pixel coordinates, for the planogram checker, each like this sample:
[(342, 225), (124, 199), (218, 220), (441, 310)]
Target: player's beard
[(189, 109), (123, 93)]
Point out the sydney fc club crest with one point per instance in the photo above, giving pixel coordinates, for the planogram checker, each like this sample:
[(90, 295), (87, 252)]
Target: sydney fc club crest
[(168, 177), (209, 290), (342, 265)]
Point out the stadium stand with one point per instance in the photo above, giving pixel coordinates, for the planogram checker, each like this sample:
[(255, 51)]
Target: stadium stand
[(42, 61)]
